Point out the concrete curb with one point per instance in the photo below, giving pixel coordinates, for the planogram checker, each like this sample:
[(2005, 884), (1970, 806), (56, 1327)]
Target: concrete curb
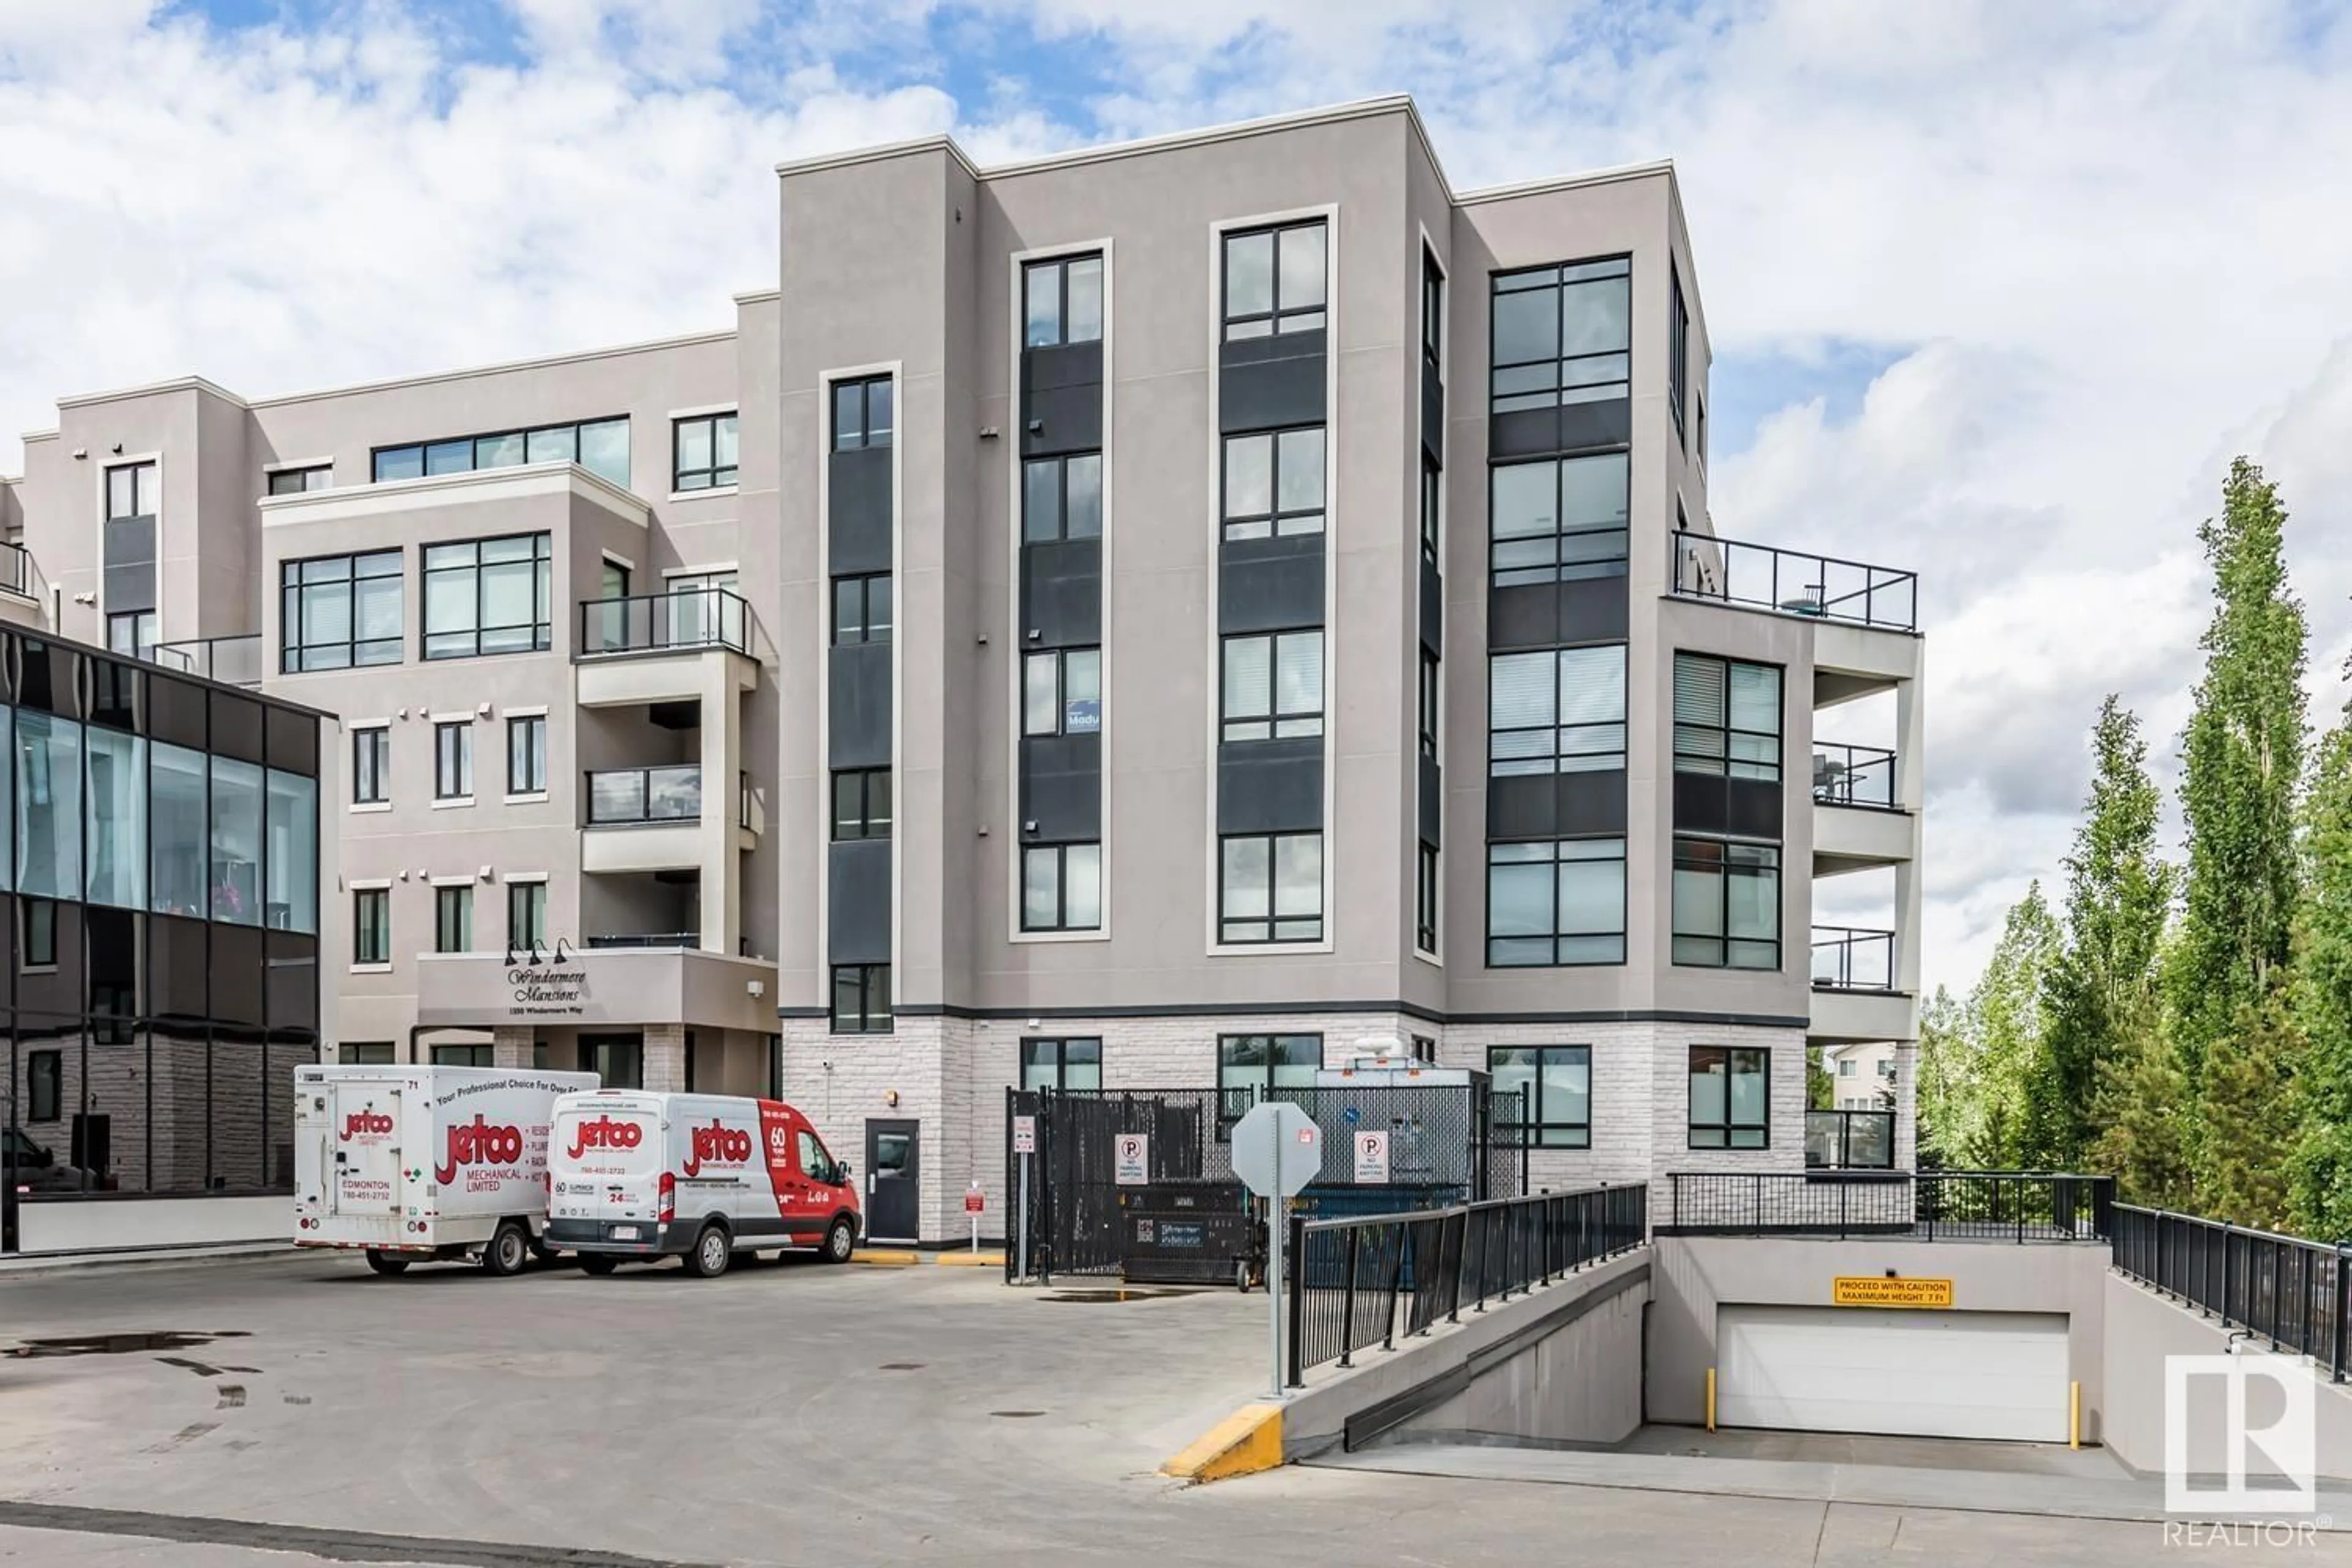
[(22, 1266), (909, 1258), (1243, 1444)]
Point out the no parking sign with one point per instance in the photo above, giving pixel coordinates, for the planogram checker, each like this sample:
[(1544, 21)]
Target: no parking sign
[(1131, 1159), (1371, 1158)]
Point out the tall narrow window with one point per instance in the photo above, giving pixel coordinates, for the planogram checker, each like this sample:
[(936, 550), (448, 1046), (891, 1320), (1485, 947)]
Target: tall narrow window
[(1727, 717), (1431, 486), (1726, 904), (1062, 301), (1427, 704), (453, 761), (371, 925), (1273, 484), (861, 608), (1677, 350), (1275, 280), (527, 754), (1731, 1097), (861, 804), (1061, 887), (526, 915), (702, 452), (372, 766), (1062, 692), (45, 1077), (1561, 712), (453, 920), (1432, 314), (1558, 519), (861, 999), (1270, 889), (1061, 498), (1424, 899), (1273, 685), (862, 414), (1562, 334)]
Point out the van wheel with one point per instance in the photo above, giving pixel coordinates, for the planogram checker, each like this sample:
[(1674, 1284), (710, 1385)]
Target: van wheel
[(840, 1242), (384, 1263), (712, 1253), (597, 1263), (509, 1249)]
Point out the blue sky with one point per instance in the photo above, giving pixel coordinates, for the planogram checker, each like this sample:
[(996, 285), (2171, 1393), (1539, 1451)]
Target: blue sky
[(1995, 290)]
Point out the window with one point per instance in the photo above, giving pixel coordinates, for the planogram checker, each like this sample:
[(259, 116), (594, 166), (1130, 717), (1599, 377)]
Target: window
[(339, 611), (178, 862), (526, 915), (372, 766), (1431, 486), (236, 818), (861, 414), (1061, 498), (1432, 313), (1424, 899), (1275, 280), (1562, 712), (45, 1083), (1270, 887), (861, 804), (40, 933), (453, 920), (861, 999), (815, 1164), (1698, 403), (1677, 350), (291, 827), (527, 754), (366, 1053), (1252, 1066), (702, 452), (1274, 685), (1727, 717), (1061, 1063), (1562, 334), (1731, 1097), (1427, 705), (1554, 1084), (1555, 902), (464, 1056), (1726, 904), (488, 595), (1273, 484), (115, 826), (1062, 301), (1846, 1067), (1062, 692), (371, 925), (48, 805), (861, 609), (296, 481), (599, 446), (453, 761), (1558, 519), (618, 1061), (132, 633), (1061, 887), (132, 491)]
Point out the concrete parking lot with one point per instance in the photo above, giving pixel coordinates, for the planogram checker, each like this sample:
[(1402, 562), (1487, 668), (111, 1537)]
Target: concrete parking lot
[(792, 1415)]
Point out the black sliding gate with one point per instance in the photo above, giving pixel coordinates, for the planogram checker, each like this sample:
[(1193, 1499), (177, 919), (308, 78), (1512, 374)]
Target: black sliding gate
[(1447, 1144)]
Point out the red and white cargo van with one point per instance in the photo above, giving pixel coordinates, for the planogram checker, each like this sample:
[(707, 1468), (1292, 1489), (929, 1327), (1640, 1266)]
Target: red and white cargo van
[(419, 1162), (699, 1176)]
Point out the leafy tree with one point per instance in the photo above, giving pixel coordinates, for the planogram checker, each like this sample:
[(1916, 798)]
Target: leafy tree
[(2243, 760), (2248, 1114), (2005, 1012), (2322, 1178), (1943, 1085), (2102, 985), (1820, 1088)]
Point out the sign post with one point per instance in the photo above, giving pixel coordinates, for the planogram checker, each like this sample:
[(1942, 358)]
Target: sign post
[(1277, 1150), (974, 1201), (1024, 1143)]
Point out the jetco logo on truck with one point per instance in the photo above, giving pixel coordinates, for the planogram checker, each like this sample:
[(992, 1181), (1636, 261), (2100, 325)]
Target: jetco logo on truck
[(366, 1124), (717, 1144), (479, 1143), (604, 1133)]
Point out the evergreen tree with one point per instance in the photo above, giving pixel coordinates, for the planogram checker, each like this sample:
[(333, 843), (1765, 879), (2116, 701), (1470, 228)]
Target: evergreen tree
[(2248, 1113), (2243, 761), (2322, 1197), (2142, 1111), (2103, 985)]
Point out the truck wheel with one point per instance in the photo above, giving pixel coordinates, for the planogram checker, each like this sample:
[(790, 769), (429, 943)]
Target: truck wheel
[(384, 1263), (840, 1242), (596, 1263), (712, 1253), (509, 1249)]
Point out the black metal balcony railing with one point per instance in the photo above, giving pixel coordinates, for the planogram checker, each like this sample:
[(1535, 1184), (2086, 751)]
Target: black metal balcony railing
[(1849, 958), (655, 623), (15, 569), (1853, 776), (1850, 1140), (232, 662), (2296, 1294), (625, 796), (608, 941), (1795, 582), (1928, 1205)]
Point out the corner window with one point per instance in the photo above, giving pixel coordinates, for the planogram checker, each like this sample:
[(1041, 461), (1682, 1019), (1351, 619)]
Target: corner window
[(1726, 904), (1061, 498), (1062, 301), (1424, 899), (1275, 280), (702, 452), (45, 1081), (1273, 484), (371, 766), (527, 754), (453, 761), (1061, 1065), (861, 999), (1061, 887), (297, 481), (1558, 519), (526, 915), (1554, 1084), (1556, 903), (1677, 351), (862, 413), (1731, 1097), (1561, 334), (1561, 712), (1270, 887), (336, 612), (371, 925), (1062, 692), (453, 920), (1727, 717), (861, 804), (488, 595), (861, 609), (1272, 686)]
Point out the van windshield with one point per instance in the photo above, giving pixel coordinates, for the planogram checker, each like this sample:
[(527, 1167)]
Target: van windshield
[(599, 1138)]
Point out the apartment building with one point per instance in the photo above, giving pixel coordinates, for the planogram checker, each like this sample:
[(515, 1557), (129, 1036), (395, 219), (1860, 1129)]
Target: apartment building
[(1172, 614)]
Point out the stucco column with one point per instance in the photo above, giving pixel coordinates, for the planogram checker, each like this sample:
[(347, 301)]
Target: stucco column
[(513, 1047), (666, 1059), (1910, 793), (721, 888)]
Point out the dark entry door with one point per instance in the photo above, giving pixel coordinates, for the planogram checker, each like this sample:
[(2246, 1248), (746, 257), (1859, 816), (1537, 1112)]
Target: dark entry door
[(893, 1180)]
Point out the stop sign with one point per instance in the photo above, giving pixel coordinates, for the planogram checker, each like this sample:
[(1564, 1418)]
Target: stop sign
[(1277, 1150)]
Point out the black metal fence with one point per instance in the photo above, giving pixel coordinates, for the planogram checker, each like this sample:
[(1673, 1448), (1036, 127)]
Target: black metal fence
[(1371, 1280), (1853, 776), (1795, 581), (2287, 1290), (1447, 1145), (1928, 1205)]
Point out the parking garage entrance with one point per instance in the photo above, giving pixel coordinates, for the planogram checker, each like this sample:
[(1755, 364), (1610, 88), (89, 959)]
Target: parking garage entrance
[(1140, 1182)]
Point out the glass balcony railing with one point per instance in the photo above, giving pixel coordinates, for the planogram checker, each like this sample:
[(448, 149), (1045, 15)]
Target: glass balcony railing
[(15, 569), (1794, 582), (232, 662), (622, 797), (1849, 958), (660, 622), (647, 938), (1853, 776)]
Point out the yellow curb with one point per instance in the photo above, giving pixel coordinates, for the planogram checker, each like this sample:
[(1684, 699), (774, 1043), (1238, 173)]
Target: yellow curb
[(885, 1259), (1247, 1441), (970, 1259)]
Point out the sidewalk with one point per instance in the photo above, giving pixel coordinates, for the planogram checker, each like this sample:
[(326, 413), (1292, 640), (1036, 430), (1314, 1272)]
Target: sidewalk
[(49, 1262)]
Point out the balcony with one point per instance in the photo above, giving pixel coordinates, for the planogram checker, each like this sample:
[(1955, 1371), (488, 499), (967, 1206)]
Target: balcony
[(15, 569), (653, 819), (1861, 823), (1795, 583), (690, 620), (1853, 776), (630, 797), (232, 662), (687, 941), (1854, 996)]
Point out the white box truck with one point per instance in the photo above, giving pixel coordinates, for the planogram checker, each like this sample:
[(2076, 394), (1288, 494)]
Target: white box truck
[(413, 1163)]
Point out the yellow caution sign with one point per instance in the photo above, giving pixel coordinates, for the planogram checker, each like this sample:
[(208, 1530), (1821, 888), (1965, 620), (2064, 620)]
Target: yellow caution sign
[(1876, 1291)]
